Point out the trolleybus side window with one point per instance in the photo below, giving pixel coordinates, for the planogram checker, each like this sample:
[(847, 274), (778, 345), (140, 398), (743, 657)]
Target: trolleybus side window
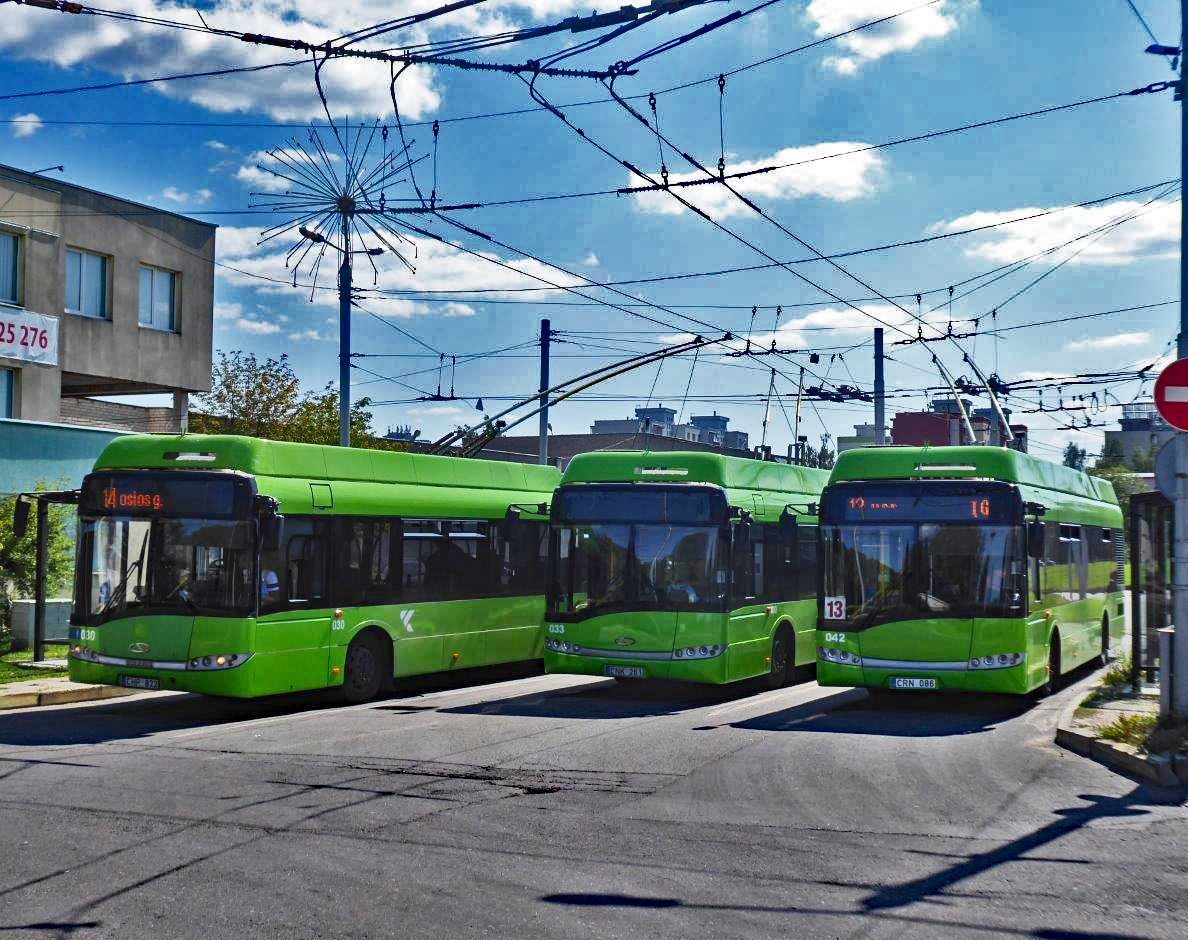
[(423, 574), (807, 560), (305, 562), (363, 568)]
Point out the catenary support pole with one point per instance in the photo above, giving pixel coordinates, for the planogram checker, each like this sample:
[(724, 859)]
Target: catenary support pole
[(880, 403), (344, 338), (40, 575), (542, 449), (796, 421), (1179, 657)]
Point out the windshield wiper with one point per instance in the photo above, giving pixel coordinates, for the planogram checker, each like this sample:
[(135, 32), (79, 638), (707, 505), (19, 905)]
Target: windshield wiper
[(121, 589)]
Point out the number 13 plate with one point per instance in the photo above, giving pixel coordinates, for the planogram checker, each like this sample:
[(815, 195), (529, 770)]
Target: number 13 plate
[(835, 608)]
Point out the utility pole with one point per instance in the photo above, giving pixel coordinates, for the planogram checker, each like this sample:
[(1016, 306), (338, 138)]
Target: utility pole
[(546, 334), (796, 420), (1179, 663), (346, 208), (880, 416)]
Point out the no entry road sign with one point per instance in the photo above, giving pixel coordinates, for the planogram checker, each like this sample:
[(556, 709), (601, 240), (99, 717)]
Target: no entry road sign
[(1171, 394)]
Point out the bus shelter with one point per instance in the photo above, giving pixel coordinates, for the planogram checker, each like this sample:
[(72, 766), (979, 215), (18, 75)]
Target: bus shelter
[(1151, 539)]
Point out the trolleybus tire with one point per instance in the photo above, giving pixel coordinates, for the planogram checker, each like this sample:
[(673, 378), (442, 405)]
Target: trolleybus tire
[(1053, 681), (363, 672), (782, 656)]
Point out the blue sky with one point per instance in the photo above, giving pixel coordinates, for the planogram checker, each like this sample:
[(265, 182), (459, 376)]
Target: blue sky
[(943, 65)]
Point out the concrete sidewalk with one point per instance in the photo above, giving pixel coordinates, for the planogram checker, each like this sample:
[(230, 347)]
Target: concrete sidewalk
[(57, 690), (1081, 726)]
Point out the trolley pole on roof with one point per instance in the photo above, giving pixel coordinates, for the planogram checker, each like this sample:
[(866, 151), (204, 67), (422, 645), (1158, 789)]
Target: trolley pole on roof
[(880, 414), (542, 450)]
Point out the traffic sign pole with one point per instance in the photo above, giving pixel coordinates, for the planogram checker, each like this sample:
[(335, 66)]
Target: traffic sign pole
[(1179, 652), (1171, 398)]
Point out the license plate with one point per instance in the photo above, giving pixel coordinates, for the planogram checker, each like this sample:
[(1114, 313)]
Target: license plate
[(138, 682), (625, 672), (912, 683)]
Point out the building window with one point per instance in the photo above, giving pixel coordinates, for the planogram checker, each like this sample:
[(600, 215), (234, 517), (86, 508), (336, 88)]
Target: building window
[(7, 386), (86, 284), (158, 298), (9, 268)]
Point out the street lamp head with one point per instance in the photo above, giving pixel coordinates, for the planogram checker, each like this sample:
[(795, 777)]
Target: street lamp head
[(1156, 49), (311, 235), (375, 251)]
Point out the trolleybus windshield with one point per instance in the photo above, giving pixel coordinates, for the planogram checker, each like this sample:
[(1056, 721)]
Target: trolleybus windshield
[(637, 547), (170, 542), (921, 550)]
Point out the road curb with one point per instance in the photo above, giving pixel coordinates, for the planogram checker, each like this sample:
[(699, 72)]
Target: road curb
[(66, 695), (1156, 768)]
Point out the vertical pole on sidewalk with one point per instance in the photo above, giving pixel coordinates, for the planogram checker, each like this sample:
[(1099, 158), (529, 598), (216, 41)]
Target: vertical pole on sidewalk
[(1179, 651), (39, 580), (542, 447), (880, 415)]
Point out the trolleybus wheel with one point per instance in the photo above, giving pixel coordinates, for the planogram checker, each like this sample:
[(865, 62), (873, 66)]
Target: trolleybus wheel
[(781, 658), (1053, 682), (362, 676)]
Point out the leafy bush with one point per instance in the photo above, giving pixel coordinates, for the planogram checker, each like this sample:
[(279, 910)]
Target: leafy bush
[(1129, 729)]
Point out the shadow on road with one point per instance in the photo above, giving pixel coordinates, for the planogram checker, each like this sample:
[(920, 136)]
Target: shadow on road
[(914, 715), (609, 700), (126, 719), (1134, 803)]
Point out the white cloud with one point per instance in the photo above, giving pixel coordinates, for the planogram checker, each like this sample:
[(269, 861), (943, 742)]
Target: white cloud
[(591, 260), (233, 316), (901, 34), (438, 267), (263, 166), (437, 411), (1154, 234), (312, 336), (131, 50), (806, 330), (1039, 375), (216, 145), (25, 125), (1113, 341), (198, 197), (841, 179)]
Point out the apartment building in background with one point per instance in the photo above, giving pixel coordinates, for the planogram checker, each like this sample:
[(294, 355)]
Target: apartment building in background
[(99, 296)]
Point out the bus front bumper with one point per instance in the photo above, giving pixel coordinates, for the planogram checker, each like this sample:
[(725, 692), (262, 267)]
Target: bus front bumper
[(709, 670), (240, 681), (1011, 680)]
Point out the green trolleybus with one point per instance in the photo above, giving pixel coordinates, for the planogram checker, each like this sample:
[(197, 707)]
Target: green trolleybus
[(242, 567), (969, 568), (692, 566)]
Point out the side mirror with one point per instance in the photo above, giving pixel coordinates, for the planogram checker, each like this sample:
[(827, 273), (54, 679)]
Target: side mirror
[(1035, 540), (20, 518), (788, 525), (271, 526)]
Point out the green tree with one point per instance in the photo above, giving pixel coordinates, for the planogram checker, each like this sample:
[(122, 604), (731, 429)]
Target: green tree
[(263, 398), (1143, 461), (1074, 456), (1112, 454), (248, 396), (18, 558), (826, 457)]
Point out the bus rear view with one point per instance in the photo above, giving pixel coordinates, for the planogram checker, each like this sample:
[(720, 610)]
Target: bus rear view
[(964, 568)]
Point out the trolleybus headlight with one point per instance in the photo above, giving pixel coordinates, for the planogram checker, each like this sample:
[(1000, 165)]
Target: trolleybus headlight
[(217, 662), (86, 655), (844, 657), (996, 661)]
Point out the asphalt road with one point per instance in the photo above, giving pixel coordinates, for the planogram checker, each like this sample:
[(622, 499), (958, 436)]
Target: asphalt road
[(562, 807)]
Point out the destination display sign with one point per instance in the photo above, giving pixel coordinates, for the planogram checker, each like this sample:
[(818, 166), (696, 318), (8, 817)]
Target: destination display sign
[(170, 493), (917, 503)]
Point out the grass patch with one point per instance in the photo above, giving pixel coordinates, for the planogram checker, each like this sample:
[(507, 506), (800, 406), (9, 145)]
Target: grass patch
[(13, 670), (1118, 675), (1146, 732)]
